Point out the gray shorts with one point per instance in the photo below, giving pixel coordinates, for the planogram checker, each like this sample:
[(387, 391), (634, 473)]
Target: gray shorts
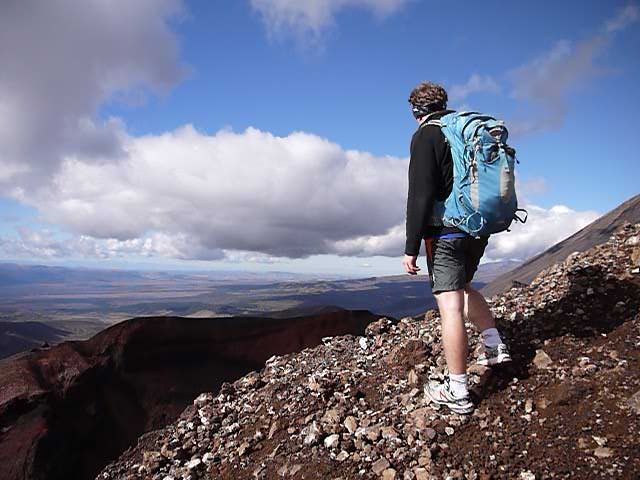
[(452, 262)]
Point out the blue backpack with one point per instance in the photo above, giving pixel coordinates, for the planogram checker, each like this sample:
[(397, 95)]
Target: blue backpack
[(483, 196)]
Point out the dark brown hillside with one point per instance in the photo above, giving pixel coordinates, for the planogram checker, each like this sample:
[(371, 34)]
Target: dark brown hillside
[(67, 410), (593, 234)]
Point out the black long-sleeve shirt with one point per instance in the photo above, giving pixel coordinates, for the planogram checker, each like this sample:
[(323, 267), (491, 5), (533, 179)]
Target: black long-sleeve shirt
[(430, 179)]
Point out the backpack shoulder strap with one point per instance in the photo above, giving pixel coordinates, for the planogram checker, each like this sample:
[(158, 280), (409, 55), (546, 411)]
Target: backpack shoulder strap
[(435, 121)]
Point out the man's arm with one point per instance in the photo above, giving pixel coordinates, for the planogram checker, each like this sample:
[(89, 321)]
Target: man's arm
[(423, 174)]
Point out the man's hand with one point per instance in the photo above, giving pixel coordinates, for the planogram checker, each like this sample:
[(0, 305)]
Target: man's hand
[(409, 264)]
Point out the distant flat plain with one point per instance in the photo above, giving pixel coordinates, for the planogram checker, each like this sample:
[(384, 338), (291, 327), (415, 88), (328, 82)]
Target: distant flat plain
[(77, 303)]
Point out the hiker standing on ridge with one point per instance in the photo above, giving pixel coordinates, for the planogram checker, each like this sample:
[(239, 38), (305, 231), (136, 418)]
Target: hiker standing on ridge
[(452, 254)]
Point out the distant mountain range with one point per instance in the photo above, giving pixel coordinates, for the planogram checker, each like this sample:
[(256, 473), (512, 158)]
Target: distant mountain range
[(13, 274), (74, 304)]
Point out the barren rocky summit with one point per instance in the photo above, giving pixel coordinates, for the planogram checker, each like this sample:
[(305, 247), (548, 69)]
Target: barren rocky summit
[(568, 406)]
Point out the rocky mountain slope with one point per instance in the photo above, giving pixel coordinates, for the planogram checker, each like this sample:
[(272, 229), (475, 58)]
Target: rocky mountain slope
[(567, 407), (593, 234), (67, 410)]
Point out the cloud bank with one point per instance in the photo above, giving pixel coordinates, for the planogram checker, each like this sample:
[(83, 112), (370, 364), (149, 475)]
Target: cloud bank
[(290, 196), (251, 195)]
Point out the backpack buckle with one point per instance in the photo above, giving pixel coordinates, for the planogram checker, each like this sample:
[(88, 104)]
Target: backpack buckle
[(516, 217)]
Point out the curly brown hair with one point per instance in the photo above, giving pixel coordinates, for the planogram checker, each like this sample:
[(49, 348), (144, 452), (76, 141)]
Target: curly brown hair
[(429, 93)]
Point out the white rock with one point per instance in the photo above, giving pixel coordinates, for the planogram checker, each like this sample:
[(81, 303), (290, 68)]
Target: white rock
[(389, 474), (202, 399), (332, 441), (603, 452), (542, 360), (380, 465), (601, 441), (313, 433), (351, 424), (342, 456)]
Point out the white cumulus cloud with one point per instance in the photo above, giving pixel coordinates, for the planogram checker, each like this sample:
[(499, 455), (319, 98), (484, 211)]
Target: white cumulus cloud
[(45, 244), (59, 61), (544, 228), (204, 208), (290, 196), (249, 196)]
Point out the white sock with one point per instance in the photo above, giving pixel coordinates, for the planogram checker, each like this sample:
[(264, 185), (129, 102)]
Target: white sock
[(458, 384), (491, 337)]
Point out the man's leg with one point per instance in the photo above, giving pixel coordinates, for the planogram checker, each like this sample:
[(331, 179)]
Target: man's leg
[(454, 334), (445, 261), (478, 312), (476, 309)]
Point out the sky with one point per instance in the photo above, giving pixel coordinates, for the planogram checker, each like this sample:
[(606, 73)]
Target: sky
[(274, 134)]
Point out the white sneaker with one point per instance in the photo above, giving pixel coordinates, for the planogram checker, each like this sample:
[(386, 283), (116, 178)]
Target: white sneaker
[(494, 355), (441, 394)]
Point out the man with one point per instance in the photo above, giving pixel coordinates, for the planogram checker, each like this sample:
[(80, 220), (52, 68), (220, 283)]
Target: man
[(452, 255)]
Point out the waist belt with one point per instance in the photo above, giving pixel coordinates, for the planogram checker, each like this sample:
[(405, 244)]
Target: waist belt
[(449, 235)]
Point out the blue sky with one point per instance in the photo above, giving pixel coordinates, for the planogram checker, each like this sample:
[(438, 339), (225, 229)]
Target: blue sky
[(340, 72), (353, 88)]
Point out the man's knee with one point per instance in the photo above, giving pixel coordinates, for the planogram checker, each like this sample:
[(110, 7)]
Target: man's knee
[(450, 301)]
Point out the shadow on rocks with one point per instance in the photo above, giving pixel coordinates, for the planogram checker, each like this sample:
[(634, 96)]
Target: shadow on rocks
[(596, 303)]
